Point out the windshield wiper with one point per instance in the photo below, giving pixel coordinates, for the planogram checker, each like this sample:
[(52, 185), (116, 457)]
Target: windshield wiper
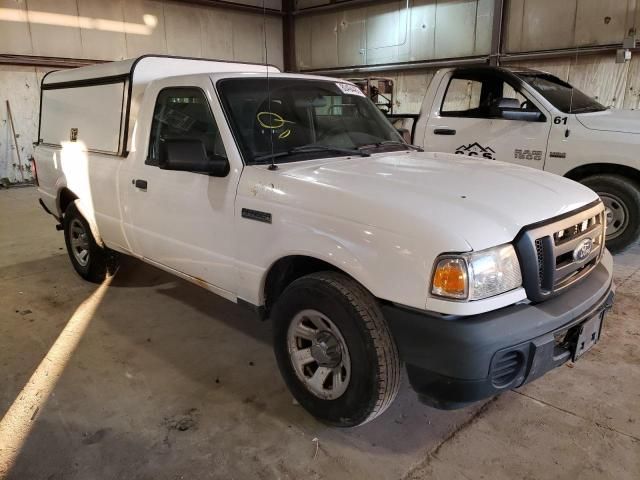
[(392, 142), (311, 149)]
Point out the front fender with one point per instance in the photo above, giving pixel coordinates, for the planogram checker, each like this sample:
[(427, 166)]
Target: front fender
[(390, 266)]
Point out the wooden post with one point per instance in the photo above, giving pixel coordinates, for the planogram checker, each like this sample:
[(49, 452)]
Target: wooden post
[(15, 140)]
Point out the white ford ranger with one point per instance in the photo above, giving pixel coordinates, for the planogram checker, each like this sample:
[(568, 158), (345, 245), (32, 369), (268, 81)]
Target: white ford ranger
[(534, 119), (293, 195)]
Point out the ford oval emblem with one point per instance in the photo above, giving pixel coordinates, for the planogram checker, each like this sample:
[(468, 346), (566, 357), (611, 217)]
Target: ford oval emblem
[(583, 250)]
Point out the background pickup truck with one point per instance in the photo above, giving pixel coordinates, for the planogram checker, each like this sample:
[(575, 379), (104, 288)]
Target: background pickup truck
[(534, 119), (293, 195)]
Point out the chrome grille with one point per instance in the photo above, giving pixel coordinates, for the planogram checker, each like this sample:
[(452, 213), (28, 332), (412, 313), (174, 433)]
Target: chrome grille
[(558, 253)]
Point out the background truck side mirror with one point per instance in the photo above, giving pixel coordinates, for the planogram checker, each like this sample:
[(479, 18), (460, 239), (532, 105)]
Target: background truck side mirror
[(190, 155), (509, 109)]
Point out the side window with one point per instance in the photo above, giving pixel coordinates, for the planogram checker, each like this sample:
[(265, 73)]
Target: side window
[(481, 95), (183, 113), (461, 96)]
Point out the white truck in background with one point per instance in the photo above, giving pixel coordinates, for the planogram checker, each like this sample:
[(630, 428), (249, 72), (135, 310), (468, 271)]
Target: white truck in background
[(532, 118), (293, 195)]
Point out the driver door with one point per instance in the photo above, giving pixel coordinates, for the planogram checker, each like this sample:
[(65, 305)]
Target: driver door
[(470, 120), (179, 220)]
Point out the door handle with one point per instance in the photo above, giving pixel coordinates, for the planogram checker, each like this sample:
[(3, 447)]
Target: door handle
[(141, 184), (444, 131)]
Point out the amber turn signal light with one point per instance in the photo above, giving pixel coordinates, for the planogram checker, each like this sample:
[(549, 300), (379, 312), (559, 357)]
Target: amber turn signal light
[(450, 278)]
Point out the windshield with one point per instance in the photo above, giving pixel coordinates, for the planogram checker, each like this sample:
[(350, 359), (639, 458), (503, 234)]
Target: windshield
[(299, 119), (561, 95)]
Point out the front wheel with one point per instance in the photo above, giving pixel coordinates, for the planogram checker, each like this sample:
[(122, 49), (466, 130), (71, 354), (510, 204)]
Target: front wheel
[(335, 350), (621, 198)]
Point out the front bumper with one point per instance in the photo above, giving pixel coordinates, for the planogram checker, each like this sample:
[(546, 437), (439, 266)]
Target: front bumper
[(452, 362)]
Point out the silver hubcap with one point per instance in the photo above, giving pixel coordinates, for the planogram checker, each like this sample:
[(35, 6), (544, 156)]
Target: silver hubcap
[(319, 354), (79, 242), (617, 214)]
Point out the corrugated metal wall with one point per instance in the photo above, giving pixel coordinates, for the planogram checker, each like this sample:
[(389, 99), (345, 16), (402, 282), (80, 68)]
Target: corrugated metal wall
[(113, 30), (391, 32)]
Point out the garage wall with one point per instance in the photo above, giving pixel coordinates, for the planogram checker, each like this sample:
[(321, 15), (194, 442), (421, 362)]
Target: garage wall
[(395, 31), (552, 24), (114, 30)]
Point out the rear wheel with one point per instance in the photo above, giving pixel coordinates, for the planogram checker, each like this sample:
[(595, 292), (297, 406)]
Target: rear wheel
[(335, 350), (90, 260), (621, 198)]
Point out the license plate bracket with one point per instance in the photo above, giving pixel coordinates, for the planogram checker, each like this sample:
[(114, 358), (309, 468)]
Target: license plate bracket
[(588, 335)]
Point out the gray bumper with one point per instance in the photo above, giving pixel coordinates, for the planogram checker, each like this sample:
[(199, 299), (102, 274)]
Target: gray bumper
[(450, 361)]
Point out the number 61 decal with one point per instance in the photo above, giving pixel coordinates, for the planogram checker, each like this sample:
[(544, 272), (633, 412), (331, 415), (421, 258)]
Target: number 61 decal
[(559, 120)]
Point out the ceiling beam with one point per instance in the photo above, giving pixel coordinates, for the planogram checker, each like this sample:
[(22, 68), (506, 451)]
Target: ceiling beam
[(336, 6), (234, 6), (389, 67)]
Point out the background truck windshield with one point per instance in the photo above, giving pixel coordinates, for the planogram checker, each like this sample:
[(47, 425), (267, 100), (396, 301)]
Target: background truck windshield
[(561, 95), (293, 113)]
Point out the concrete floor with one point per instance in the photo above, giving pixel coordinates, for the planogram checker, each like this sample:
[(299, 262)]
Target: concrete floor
[(169, 381)]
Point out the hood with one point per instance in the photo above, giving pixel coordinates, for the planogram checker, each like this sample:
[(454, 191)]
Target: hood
[(422, 195), (625, 121)]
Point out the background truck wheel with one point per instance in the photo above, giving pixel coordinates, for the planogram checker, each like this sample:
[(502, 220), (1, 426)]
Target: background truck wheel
[(621, 198), (91, 261), (335, 350)]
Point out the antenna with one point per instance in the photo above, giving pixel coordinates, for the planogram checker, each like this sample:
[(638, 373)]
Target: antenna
[(273, 165)]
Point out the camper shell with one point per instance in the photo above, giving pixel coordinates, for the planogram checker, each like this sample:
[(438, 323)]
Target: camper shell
[(98, 104)]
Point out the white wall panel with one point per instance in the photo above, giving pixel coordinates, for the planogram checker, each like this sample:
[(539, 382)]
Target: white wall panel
[(217, 34), (601, 22), (150, 13), (352, 37), (484, 27), (14, 28), (182, 25), (548, 24), (423, 30), (455, 28), (275, 49), (632, 92), (386, 32), (303, 42), (102, 29), (514, 11), (324, 40), (248, 37), (55, 30)]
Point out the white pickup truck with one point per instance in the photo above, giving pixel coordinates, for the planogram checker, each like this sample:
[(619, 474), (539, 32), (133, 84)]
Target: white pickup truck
[(293, 195), (532, 118)]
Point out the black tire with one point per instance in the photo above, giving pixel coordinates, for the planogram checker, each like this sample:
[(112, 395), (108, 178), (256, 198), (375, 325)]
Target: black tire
[(625, 195), (374, 360), (100, 260)]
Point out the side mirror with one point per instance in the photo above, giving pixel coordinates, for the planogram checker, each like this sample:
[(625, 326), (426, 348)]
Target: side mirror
[(509, 109), (189, 155)]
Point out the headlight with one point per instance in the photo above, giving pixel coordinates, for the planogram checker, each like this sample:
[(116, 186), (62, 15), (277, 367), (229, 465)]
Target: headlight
[(477, 275)]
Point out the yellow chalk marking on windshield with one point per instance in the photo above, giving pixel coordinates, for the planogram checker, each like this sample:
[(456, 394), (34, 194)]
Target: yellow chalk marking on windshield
[(276, 121)]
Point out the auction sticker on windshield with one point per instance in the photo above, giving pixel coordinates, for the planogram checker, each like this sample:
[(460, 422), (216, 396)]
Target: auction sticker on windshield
[(349, 89)]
